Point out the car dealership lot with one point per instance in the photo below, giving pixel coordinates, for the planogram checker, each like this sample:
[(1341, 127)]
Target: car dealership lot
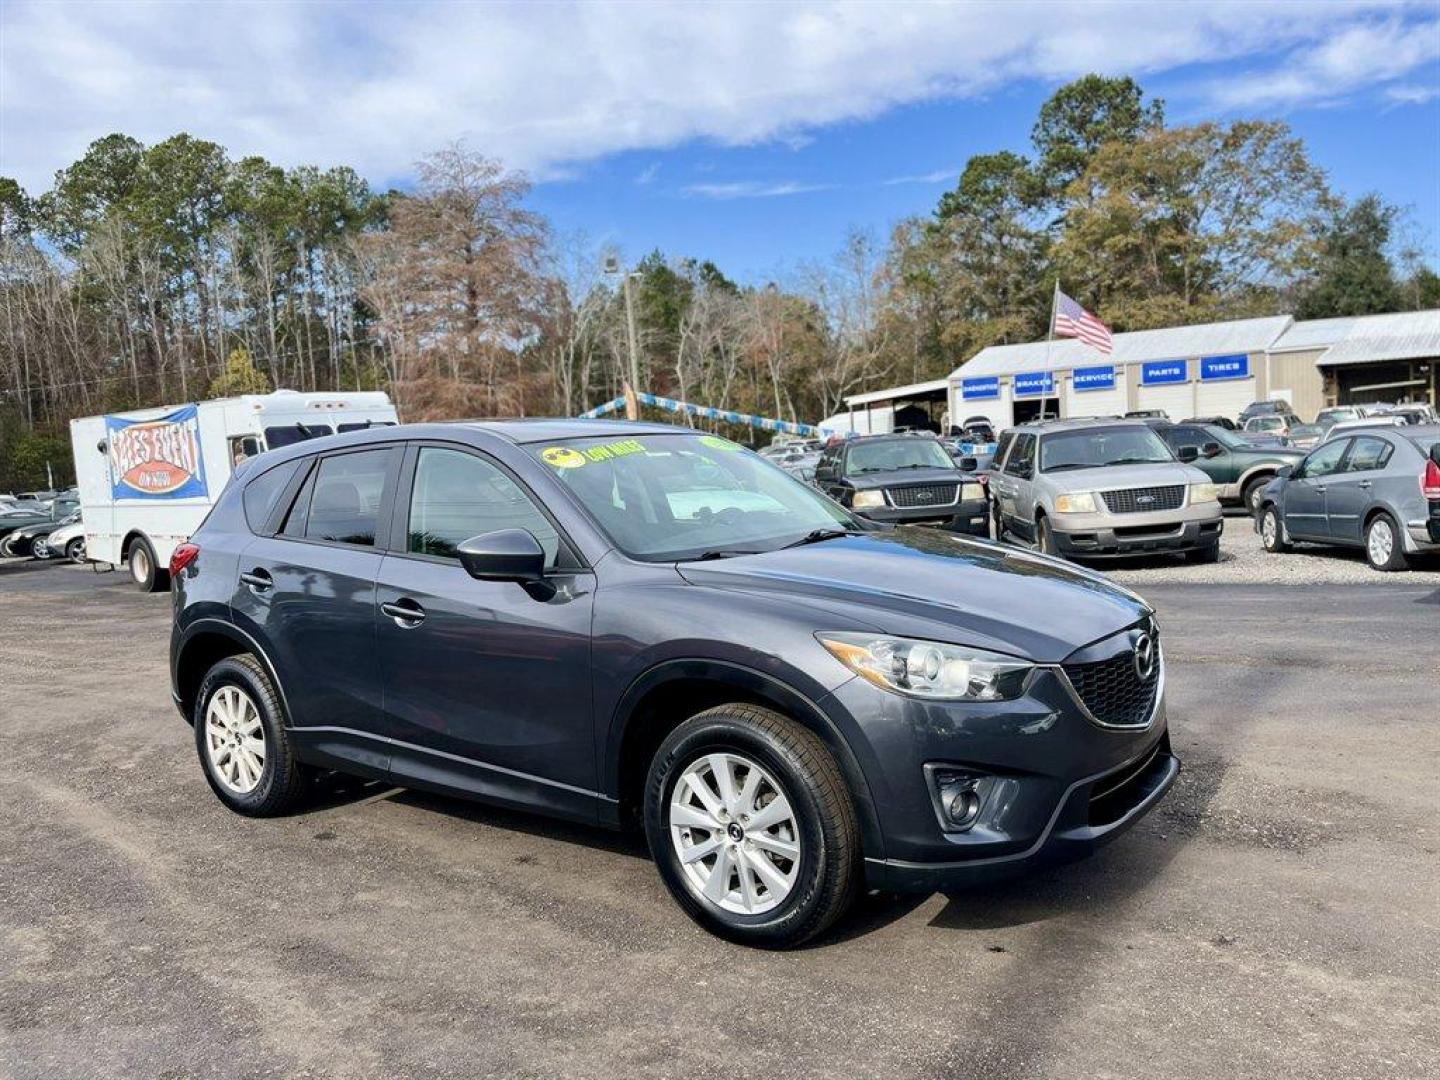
[(1275, 916)]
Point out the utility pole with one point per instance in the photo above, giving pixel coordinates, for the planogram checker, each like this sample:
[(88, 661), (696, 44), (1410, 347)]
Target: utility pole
[(612, 266)]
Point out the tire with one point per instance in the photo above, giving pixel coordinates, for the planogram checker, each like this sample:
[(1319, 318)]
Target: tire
[(38, 550), (1383, 546), (75, 550), (148, 577), (246, 708), (1044, 537), (1204, 555), (786, 901), (1272, 531), (997, 522), (1250, 498)]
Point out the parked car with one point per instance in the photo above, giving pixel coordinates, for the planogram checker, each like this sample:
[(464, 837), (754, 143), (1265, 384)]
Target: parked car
[(1277, 407), (1365, 423), (1336, 413), (1306, 436), (633, 623), (1375, 488), (903, 480), (21, 541), (1147, 414), (19, 518), (976, 429), (1214, 421), (1095, 489), (1239, 467), (67, 541), (1275, 425)]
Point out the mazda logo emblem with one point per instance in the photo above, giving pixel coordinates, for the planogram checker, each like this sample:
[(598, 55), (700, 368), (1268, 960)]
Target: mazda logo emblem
[(1145, 657)]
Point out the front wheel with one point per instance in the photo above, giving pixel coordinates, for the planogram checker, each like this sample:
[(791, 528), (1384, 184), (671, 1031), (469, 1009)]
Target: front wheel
[(1045, 537), (1204, 555), (1382, 544), (1272, 532), (752, 827), (75, 550)]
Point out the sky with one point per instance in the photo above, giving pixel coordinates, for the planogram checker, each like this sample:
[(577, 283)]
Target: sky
[(753, 134)]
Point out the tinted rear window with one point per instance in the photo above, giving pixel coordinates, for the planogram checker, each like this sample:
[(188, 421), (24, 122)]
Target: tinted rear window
[(262, 493)]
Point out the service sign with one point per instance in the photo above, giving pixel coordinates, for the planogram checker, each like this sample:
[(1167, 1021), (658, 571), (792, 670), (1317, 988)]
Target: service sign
[(156, 459), (1093, 378), (980, 389), (1159, 372), (1224, 367), (1035, 382)]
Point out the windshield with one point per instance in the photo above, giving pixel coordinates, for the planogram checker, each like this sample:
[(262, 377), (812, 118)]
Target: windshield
[(1227, 439), (1265, 423), (669, 497), (887, 455), (1102, 446)]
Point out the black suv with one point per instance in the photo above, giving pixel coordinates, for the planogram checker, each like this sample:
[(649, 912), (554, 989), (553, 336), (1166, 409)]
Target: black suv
[(621, 623), (903, 480)]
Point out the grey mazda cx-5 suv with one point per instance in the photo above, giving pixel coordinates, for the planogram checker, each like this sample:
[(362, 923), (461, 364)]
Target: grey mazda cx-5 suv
[(619, 623)]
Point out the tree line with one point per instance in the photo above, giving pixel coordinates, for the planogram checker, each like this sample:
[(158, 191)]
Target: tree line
[(167, 273)]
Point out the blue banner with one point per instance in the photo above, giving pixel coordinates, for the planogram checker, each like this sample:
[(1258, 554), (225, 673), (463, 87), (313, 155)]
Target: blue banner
[(156, 459), (1035, 382), (1093, 378), (1159, 372), (980, 389), (1236, 366)]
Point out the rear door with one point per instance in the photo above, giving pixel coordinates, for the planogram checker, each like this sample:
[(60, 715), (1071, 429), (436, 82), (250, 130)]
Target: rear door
[(308, 593), (1350, 493), (1305, 495), (486, 687), (1016, 487)]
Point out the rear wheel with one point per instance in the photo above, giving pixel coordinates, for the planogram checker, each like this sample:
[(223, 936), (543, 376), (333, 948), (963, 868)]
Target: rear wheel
[(1272, 532), (148, 576), (241, 739), (1383, 548), (752, 827)]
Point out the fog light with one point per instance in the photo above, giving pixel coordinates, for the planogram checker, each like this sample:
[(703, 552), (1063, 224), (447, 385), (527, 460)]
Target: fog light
[(959, 796)]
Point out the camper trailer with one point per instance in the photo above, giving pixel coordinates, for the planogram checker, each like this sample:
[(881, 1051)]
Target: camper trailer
[(148, 478)]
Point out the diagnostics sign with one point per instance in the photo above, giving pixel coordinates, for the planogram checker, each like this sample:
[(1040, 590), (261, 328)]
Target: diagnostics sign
[(156, 459)]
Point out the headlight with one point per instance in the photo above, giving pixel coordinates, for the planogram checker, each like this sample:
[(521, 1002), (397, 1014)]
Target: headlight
[(928, 669), (866, 499), (1204, 493), (971, 492), (1077, 502)]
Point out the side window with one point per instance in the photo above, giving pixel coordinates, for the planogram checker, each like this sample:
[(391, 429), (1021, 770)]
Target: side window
[(1368, 453), (263, 492), (349, 488), (1326, 460), (1001, 446), (458, 495), (299, 512), (1022, 458)]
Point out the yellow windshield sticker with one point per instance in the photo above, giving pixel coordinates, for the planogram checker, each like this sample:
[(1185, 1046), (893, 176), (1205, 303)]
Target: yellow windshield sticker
[(719, 443), (562, 457)]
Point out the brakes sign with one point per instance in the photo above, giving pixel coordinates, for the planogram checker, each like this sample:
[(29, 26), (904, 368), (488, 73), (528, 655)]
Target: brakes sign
[(156, 459)]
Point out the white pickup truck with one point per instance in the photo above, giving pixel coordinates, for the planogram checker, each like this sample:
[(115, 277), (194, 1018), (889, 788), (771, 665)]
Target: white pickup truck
[(148, 478)]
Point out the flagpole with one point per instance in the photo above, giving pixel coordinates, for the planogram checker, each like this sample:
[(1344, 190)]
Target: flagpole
[(1049, 337)]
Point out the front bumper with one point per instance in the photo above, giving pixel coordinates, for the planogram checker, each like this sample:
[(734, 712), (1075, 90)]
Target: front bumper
[(971, 516), (1063, 784), (1107, 538)]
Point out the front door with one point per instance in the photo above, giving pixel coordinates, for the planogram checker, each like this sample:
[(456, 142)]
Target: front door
[(1305, 494), (486, 687), (1350, 493), (1014, 487)]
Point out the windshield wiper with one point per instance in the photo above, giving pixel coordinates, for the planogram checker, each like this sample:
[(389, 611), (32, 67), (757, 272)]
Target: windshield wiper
[(815, 536), (1137, 461), (719, 553), (1071, 465)]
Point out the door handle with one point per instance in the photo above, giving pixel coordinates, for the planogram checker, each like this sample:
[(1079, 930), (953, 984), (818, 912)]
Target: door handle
[(258, 580), (1320, 487), (406, 613), (1364, 484)]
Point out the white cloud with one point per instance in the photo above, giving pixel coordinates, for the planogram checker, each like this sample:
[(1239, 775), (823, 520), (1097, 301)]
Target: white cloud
[(939, 176), (378, 85), (754, 189), (1413, 95), (648, 174)]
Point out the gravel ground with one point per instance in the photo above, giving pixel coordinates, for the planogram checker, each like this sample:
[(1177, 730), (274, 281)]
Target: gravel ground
[(1278, 915), (1243, 561)]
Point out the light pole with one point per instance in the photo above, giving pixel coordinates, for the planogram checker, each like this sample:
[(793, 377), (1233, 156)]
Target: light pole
[(612, 266)]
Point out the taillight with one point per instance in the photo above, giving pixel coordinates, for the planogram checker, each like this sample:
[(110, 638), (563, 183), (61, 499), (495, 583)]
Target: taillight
[(1430, 482), (184, 555)]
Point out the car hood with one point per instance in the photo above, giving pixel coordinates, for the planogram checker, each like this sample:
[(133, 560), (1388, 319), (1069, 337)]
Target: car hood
[(1110, 477), (919, 582), (902, 477), (1270, 453)]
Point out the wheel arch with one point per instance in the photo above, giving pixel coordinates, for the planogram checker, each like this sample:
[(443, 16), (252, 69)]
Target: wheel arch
[(670, 693), (204, 644), (130, 538)]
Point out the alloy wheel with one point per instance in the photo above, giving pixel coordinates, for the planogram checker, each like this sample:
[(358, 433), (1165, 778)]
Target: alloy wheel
[(235, 739), (1269, 531), (1380, 544), (735, 833)]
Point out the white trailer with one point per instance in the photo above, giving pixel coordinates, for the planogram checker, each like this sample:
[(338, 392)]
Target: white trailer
[(148, 478)]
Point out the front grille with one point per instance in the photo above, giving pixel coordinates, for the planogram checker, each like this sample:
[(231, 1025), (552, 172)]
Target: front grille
[(1113, 692), (919, 495), (1143, 500)]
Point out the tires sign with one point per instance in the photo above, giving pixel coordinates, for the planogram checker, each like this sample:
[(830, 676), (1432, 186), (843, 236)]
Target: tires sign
[(156, 459), (1224, 367)]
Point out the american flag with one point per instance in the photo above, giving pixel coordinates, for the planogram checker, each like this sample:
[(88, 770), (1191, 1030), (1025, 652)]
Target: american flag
[(1072, 320)]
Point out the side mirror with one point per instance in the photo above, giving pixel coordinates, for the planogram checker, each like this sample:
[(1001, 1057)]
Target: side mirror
[(1212, 449), (1285, 471), (969, 464), (507, 555), (1187, 454)]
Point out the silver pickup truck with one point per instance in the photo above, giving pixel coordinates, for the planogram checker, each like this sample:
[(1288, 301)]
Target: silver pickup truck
[(1096, 489)]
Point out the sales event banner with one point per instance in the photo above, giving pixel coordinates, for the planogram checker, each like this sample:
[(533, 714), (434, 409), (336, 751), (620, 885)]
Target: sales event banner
[(1159, 372), (1236, 366), (156, 459), (980, 389), (1035, 382), (1093, 378)]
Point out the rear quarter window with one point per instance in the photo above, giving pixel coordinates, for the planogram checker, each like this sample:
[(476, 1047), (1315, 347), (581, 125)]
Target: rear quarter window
[(263, 493)]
